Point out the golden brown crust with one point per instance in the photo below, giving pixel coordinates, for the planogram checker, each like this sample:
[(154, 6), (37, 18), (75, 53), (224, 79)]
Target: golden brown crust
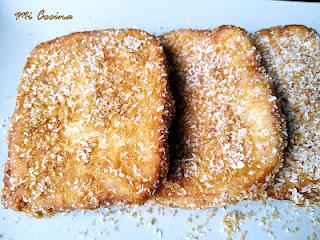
[(291, 55), (228, 126), (90, 125)]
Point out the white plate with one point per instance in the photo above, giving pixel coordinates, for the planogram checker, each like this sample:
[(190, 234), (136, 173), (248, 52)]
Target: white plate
[(18, 37)]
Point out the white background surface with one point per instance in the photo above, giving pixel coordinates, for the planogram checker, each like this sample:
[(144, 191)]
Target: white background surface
[(17, 38)]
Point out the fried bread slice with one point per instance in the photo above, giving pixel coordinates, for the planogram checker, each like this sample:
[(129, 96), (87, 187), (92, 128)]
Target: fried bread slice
[(291, 55), (90, 124), (228, 137)]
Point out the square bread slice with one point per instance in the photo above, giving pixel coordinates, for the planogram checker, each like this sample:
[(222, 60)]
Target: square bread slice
[(90, 124), (291, 55), (228, 138)]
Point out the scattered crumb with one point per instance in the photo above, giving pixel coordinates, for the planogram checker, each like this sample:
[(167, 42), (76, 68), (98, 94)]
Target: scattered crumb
[(231, 223)]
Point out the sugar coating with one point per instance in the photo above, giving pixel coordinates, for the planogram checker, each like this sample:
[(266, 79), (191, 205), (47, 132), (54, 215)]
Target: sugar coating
[(90, 124), (292, 56), (228, 139)]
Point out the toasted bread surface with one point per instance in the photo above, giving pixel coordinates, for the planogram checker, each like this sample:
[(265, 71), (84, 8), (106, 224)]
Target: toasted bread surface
[(90, 124), (227, 142), (291, 55)]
